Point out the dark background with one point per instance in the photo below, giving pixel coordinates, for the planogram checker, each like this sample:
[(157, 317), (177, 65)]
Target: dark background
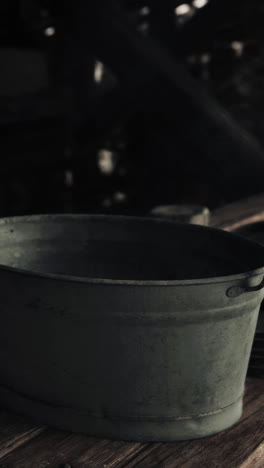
[(118, 106)]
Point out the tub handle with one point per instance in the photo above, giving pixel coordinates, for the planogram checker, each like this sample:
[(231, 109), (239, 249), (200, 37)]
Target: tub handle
[(235, 291)]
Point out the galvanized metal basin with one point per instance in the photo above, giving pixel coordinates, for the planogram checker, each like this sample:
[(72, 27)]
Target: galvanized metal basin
[(127, 328)]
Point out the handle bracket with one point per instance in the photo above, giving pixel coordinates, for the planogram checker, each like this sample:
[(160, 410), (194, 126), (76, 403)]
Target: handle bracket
[(235, 291)]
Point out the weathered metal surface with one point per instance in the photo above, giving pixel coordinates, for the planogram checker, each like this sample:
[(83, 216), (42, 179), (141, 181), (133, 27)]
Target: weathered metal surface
[(23, 445), (121, 327), (245, 218)]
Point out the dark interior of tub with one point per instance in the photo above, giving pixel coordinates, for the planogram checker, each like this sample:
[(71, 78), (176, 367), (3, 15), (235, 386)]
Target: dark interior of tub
[(123, 248), (253, 231)]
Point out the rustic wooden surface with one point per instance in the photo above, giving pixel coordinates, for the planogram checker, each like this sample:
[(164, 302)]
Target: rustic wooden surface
[(24, 444), (240, 213)]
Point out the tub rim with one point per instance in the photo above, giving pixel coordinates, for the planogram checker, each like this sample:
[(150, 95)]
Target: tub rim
[(128, 282)]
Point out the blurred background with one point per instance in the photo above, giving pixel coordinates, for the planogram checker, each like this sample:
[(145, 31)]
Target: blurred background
[(119, 106)]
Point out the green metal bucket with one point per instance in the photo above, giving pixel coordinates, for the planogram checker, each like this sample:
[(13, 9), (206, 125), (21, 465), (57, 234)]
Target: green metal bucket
[(126, 328)]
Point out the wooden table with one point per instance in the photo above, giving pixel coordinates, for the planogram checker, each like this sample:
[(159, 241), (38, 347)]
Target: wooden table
[(24, 444), (240, 213)]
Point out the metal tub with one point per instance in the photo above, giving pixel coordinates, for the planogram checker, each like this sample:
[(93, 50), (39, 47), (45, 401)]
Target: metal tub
[(127, 328)]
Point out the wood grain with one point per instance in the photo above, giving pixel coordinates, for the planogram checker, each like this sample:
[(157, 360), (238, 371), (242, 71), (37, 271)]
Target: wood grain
[(256, 459), (53, 448), (238, 214), (15, 431)]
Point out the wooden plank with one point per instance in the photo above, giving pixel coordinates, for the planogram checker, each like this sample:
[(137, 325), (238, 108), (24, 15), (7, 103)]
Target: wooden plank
[(240, 213), (256, 459), (57, 448), (114, 453), (16, 431), (52, 448)]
